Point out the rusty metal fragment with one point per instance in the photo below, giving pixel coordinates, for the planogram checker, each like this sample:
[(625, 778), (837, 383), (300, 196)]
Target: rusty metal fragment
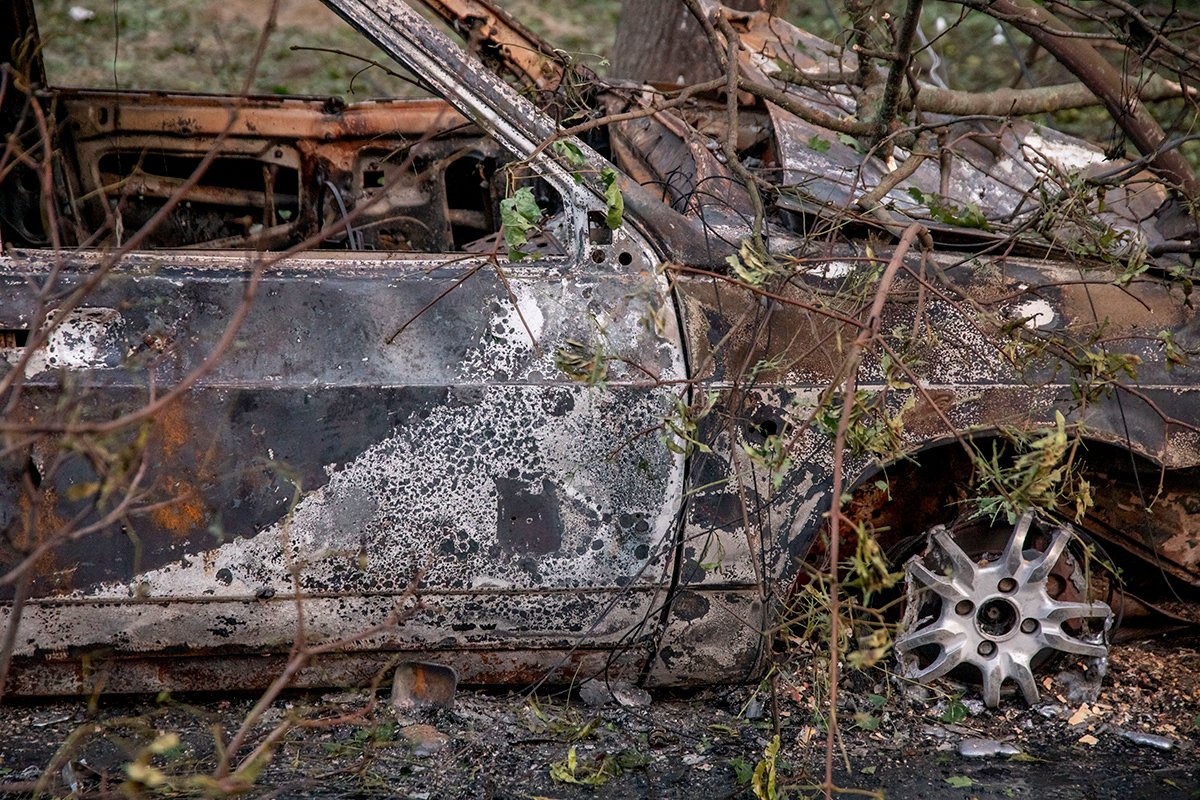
[(423, 684)]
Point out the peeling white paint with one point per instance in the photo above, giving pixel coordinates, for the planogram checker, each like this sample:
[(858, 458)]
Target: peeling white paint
[(835, 269), (1039, 312), (1068, 156), (85, 339)]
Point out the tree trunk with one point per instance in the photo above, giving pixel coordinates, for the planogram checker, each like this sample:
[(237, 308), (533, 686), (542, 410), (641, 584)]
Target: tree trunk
[(659, 41)]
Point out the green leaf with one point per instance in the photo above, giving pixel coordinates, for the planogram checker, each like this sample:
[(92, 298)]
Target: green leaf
[(613, 198), (942, 210), (868, 770), (571, 153), (519, 215), (849, 141), (959, 781), (817, 144), (763, 780), (742, 771), (955, 712), (865, 721)]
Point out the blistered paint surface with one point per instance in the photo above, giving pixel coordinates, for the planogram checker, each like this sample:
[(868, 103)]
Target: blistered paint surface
[(86, 339)]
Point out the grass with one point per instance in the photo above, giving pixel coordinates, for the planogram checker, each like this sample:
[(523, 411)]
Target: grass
[(206, 46)]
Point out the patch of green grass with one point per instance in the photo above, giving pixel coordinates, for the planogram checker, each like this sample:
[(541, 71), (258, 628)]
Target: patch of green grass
[(207, 46)]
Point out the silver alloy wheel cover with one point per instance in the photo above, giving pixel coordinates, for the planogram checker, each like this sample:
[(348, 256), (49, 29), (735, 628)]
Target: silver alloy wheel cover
[(996, 616)]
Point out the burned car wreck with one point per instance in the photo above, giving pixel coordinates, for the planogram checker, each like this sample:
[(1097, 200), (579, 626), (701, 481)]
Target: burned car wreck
[(570, 405)]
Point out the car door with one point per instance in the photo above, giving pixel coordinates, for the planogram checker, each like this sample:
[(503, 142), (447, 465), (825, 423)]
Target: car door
[(346, 433)]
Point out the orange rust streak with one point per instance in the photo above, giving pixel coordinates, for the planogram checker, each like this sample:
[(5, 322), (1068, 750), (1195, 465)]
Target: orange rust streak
[(187, 511)]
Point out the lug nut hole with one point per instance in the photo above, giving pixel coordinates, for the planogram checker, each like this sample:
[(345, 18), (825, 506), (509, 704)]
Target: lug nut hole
[(1029, 626), (964, 608), (1007, 585), (986, 649)]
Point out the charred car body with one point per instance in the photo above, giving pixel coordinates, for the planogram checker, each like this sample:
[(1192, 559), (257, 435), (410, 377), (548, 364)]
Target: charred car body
[(612, 458)]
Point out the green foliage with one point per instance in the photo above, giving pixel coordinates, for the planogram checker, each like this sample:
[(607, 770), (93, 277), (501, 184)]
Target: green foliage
[(1096, 370), (682, 426), (865, 633), (613, 198), (868, 570), (572, 771), (772, 455), (1038, 476), (818, 144), (1175, 355), (583, 362), (956, 711), (946, 212), (874, 429), (752, 265), (363, 739), (742, 771), (570, 152), (866, 721), (520, 214), (564, 724), (764, 778), (850, 141)]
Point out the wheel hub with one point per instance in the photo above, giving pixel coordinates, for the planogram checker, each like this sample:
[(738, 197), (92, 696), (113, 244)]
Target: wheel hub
[(1000, 617)]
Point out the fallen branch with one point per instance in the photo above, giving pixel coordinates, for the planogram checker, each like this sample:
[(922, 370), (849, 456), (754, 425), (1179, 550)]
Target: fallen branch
[(1079, 56), (1041, 100)]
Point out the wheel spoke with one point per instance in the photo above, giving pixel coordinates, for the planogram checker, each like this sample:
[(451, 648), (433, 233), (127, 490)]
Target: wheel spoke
[(947, 660), (1065, 611), (964, 567), (931, 635), (1015, 549), (1068, 644), (933, 581), (993, 682), (1040, 567), (1024, 678)]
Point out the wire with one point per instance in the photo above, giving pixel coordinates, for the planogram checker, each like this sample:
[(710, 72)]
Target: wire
[(352, 236)]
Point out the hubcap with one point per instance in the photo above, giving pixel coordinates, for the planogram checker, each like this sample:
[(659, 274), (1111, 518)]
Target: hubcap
[(1002, 616)]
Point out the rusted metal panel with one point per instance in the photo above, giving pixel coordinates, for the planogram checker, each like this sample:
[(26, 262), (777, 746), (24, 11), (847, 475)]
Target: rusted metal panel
[(496, 36)]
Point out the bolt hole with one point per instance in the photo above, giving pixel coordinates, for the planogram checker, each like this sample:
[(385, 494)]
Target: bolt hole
[(1029, 626), (964, 608), (598, 256), (1007, 585), (625, 258), (986, 649)]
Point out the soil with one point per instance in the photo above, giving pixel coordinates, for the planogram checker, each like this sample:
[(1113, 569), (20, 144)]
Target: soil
[(896, 742)]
